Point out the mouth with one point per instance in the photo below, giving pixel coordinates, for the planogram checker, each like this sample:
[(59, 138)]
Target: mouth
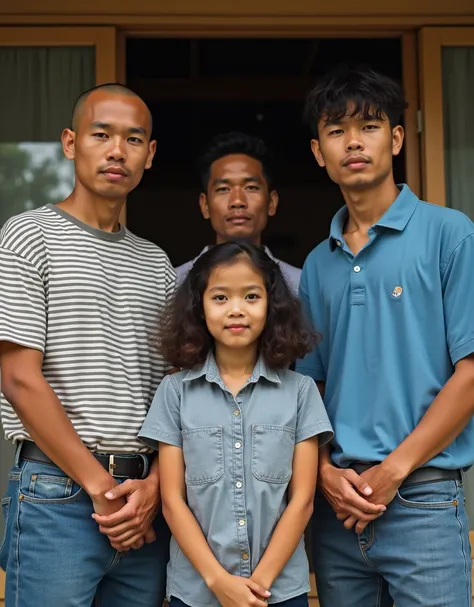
[(236, 329), (238, 220), (356, 163), (114, 173)]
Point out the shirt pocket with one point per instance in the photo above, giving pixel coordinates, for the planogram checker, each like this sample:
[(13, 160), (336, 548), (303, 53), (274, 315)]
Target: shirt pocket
[(272, 453), (203, 451)]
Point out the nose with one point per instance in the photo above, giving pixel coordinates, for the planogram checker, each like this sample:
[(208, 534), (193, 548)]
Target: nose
[(354, 141), (235, 310), (116, 152), (237, 199)]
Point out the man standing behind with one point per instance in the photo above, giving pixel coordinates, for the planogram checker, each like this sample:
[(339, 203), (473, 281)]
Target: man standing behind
[(238, 195), (392, 294), (81, 300)]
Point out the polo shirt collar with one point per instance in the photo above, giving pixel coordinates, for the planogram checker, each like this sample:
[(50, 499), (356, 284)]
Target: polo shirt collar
[(265, 248), (210, 370), (395, 217)]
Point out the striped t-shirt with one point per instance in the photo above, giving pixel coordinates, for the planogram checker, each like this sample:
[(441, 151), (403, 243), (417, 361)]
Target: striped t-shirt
[(91, 302)]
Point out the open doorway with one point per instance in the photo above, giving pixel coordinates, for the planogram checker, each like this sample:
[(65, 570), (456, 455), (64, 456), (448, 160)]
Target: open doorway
[(197, 88)]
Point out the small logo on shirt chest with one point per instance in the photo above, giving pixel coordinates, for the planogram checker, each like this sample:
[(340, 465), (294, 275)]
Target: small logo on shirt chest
[(397, 292)]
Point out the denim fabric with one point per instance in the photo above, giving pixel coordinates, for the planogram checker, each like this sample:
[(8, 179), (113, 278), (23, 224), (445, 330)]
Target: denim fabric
[(297, 601), (417, 554), (55, 556), (238, 454)]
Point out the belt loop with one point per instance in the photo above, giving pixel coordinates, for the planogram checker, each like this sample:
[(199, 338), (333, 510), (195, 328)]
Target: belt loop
[(112, 465), (19, 445)]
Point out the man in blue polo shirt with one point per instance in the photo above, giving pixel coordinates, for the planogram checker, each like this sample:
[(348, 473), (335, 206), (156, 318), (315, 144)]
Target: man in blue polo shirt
[(391, 291)]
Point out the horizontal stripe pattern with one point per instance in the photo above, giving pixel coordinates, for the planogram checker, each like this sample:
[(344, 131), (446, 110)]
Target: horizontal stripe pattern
[(91, 302)]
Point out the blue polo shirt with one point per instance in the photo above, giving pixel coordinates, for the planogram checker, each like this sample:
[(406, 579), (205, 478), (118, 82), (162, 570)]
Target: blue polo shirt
[(394, 320)]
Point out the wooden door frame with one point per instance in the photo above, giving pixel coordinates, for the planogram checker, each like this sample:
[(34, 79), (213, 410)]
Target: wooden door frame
[(431, 42)]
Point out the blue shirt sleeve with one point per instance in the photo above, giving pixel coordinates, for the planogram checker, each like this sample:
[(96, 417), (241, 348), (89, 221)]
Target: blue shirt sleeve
[(458, 299), (312, 419), (163, 421), (310, 299)]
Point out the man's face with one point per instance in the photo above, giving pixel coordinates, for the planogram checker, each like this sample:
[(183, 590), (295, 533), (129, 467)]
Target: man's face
[(357, 153), (111, 146), (238, 201)]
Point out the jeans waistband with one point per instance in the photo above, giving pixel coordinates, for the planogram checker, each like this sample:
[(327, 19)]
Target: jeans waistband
[(429, 474)]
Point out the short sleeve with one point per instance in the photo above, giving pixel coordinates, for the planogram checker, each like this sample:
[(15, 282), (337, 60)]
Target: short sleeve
[(458, 300), (312, 419), (311, 364), (23, 316), (163, 421)]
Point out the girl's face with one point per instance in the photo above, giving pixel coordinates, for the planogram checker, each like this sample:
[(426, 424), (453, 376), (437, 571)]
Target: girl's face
[(235, 304)]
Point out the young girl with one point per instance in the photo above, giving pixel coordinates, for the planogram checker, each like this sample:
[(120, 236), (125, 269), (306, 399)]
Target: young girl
[(238, 435)]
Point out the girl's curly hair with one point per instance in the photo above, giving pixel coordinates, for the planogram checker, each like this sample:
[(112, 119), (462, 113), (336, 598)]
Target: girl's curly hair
[(184, 338)]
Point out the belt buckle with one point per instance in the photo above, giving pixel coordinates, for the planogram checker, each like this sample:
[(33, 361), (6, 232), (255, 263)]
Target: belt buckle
[(112, 465)]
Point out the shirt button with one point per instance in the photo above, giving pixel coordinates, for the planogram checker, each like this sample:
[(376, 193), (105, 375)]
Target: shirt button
[(356, 268), (238, 484), (339, 243), (241, 522), (236, 412), (245, 556), (238, 445)]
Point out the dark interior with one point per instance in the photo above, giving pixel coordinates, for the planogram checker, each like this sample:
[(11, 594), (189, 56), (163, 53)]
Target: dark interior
[(198, 88)]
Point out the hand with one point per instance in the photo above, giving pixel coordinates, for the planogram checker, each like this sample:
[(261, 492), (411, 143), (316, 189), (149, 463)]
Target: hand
[(235, 591), (384, 486), (343, 489), (131, 525)]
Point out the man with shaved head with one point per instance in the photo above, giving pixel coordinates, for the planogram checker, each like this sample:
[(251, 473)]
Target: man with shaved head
[(81, 302)]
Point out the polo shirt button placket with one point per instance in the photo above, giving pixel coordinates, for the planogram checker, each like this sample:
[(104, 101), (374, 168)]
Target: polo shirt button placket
[(240, 503)]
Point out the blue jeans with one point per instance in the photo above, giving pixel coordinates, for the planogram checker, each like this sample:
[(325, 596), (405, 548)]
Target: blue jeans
[(54, 554), (416, 554), (297, 601)]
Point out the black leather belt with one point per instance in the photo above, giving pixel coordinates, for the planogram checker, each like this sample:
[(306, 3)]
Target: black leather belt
[(119, 465), (429, 474)]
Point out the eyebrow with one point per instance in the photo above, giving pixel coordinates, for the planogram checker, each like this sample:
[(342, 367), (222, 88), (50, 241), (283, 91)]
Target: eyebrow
[(133, 130), (246, 288), (229, 181)]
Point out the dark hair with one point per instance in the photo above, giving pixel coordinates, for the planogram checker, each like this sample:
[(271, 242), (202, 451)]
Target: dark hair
[(112, 87), (185, 339), (235, 143), (372, 94)]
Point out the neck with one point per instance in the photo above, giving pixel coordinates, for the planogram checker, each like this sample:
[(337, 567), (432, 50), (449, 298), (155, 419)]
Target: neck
[(255, 240), (236, 362), (96, 211), (367, 206)]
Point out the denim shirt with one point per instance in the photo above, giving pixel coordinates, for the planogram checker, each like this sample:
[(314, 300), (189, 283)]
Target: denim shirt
[(238, 454)]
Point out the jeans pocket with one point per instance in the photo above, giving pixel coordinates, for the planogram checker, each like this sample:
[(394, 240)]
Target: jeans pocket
[(439, 494), (42, 483), (272, 452), (6, 501), (203, 451)]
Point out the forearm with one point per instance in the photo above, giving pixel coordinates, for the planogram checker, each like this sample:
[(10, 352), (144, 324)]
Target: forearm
[(442, 423), (43, 416), (284, 541), (190, 538)]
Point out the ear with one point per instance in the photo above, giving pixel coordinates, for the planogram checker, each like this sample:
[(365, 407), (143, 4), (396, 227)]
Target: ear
[(204, 206), (151, 154), (398, 135), (68, 139), (316, 149), (273, 204)]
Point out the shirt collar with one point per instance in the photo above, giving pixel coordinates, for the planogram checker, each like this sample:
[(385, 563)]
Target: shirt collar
[(210, 370), (265, 248), (395, 217)]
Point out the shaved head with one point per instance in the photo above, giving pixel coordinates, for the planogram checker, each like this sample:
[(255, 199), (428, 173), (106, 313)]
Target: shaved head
[(114, 88)]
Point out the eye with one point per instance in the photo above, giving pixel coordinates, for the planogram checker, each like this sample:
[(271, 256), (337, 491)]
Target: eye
[(371, 127), (100, 135), (135, 140), (219, 297), (335, 132), (253, 296), (253, 188), (222, 189)]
